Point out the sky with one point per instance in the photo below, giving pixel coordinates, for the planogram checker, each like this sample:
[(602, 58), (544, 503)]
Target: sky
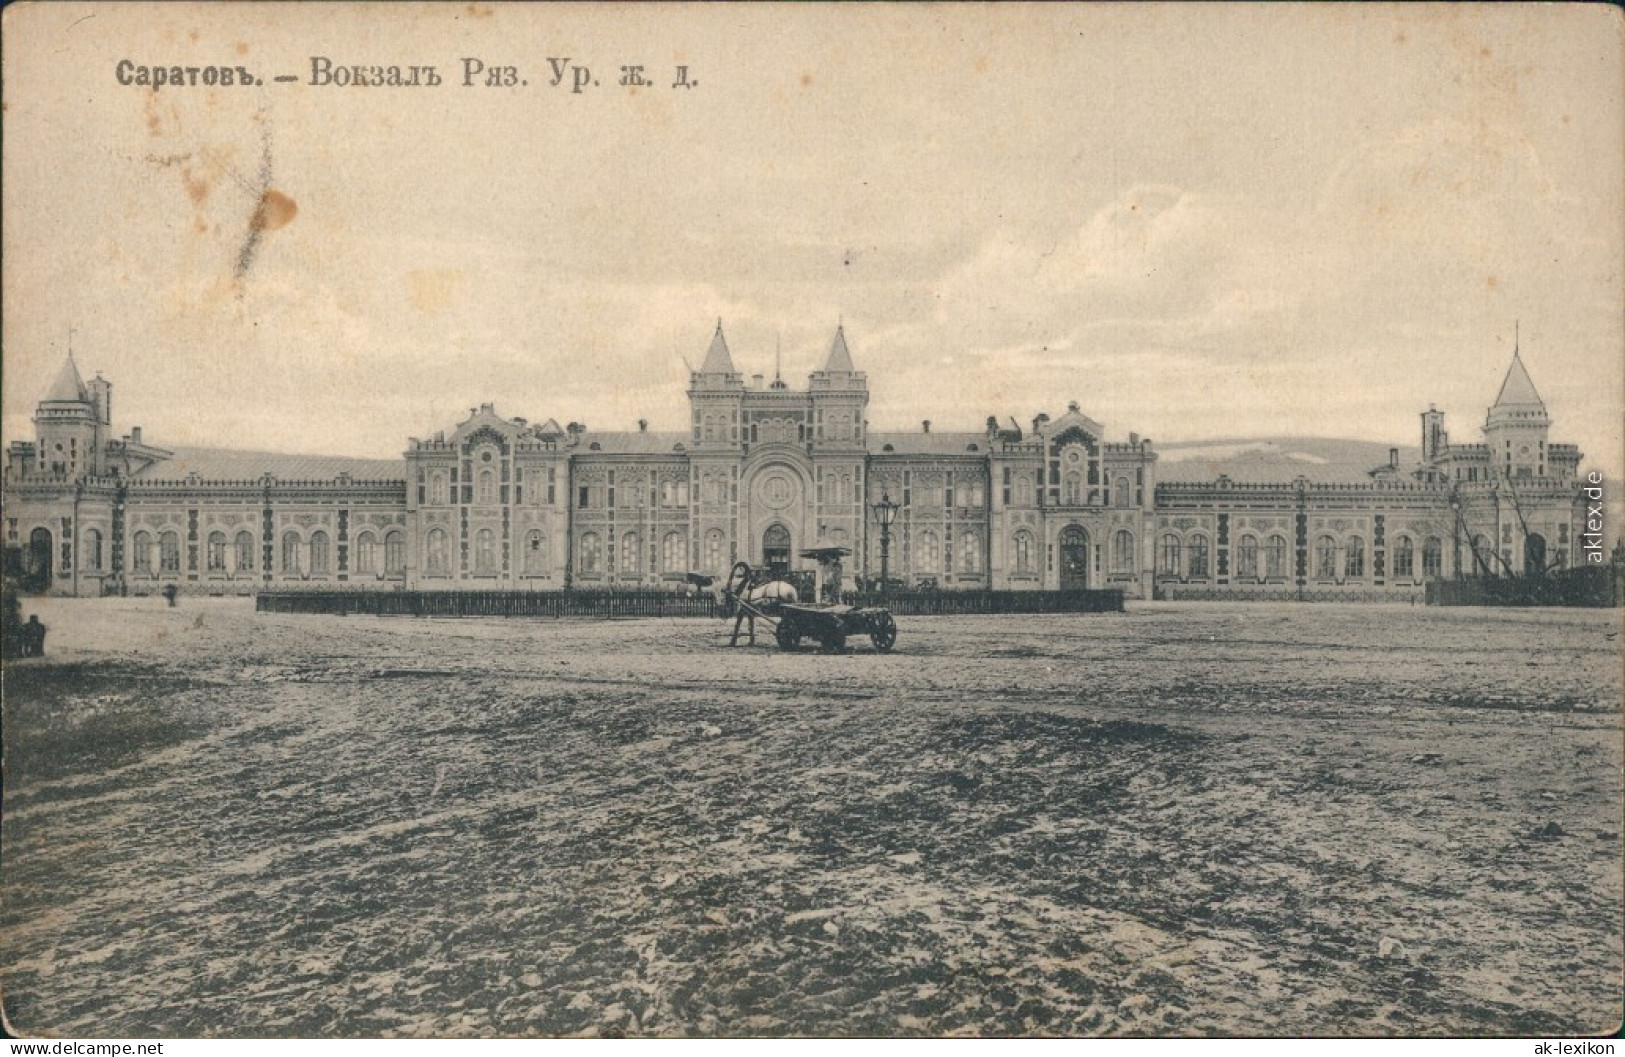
[(1196, 221)]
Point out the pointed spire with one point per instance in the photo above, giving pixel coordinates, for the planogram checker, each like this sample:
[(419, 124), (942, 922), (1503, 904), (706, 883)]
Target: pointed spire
[(68, 387), (717, 360), (1518, 389), (839, 358)]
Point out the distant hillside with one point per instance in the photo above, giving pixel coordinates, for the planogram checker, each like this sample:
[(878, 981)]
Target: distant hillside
[(1277, 460)]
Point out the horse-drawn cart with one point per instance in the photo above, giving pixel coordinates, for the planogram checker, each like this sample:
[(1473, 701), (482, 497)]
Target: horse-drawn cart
[(831, 624), (749, 598)]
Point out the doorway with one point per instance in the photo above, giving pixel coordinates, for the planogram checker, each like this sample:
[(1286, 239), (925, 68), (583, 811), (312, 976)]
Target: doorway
[(776, 550), (1074, 559), (37, 561)]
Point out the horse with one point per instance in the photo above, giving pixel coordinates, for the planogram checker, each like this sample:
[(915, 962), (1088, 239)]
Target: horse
[(745, 584)]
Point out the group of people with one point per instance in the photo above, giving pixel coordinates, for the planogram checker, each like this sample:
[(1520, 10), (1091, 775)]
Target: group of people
[(30, 637)]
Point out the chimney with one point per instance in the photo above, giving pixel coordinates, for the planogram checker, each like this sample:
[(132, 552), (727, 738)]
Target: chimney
[(135, 434), (927, 425), (1393, 458), (756, 382), (1039, 420), (643, 425), (992, 427), (1134, 440)]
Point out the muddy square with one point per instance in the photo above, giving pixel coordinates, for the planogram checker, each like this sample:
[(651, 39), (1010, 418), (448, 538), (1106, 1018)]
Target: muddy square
[(1186, 819)]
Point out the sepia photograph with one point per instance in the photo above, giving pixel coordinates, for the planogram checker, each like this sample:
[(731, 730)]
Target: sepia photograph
[(812, 521)]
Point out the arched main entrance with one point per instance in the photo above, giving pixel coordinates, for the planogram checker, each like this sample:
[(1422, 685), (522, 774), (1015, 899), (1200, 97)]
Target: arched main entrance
[(37, 561), (1074, 558), (776, 549), (1534, 554)]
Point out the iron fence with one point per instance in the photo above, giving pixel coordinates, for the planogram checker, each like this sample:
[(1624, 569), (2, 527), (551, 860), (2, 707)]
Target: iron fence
[(603, 605)]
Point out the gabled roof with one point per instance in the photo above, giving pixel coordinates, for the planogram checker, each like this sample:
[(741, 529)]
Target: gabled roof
[(839, 358), (1518, 389), (717, 360), (68, 386), (940, 442), (640, 443)]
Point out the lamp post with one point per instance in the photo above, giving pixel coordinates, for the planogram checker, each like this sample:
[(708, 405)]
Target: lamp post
[(885, 513)]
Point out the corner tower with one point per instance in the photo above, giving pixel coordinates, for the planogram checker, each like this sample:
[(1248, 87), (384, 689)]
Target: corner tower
[(840, 399), (70, 422), (1515, 430), (713, 397)]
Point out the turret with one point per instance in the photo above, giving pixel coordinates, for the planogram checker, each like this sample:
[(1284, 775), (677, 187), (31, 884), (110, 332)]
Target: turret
[(69, 423), (1433, 436), (1516, 427)]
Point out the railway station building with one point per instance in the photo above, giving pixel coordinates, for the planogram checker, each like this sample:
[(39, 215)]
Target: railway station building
[(764, 471)]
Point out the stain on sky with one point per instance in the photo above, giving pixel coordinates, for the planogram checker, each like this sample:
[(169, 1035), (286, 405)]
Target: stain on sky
[(272, 209)]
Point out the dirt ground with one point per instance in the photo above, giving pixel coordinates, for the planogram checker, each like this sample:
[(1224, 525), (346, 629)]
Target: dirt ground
[(1185, 819)]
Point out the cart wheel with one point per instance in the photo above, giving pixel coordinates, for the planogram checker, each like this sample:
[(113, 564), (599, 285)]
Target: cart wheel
[(834, 641), (884, 633), (788, 634)]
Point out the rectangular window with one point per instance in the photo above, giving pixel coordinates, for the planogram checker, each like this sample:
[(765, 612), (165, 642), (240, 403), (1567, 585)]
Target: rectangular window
[(584, 496), (906, 489)]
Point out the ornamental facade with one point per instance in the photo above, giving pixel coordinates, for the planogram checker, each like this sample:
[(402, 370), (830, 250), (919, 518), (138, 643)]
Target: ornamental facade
[(763, 472)]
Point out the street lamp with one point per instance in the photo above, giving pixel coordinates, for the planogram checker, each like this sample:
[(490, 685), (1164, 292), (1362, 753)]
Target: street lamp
[(885, 513)]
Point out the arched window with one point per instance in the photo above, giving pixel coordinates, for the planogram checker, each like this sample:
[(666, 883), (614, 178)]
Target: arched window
[(93, 550), (1432, 558), (970, 549), (485, 551), (928, 558), (1404, 557), (142, 546), (1275, 558), (713, 551), (290, 552), (318, 552), (1483, 556), (1325, 558), (535, 551), (1122, 551), (1247, 558), (217, 552), (1121, 499), (394, 552), (1354, 558), (439, 494), (1197, 556), (682, 493), (169, 552), (366, 553), (1024, 489), (629, 554), (1168, 555), (592, 553), (487, 487), (436, 553), (1073, 485), (671, 553), (1024, 551), (245, 551)]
